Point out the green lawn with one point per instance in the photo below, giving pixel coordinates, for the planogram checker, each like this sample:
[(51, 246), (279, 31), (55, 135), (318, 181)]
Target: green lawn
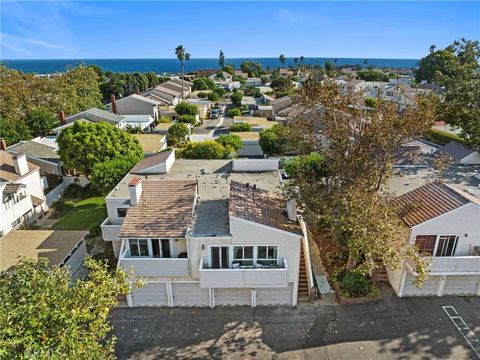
[(85, 213)]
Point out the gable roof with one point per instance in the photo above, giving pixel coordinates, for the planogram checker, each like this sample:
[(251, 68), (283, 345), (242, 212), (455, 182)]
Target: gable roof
[(96, 115), (165, 210), (166, 90), (429, 201), (35, 149), (456, 150), (186, 83), (151, 161), (261, 207), (7, 167), (141, 98)]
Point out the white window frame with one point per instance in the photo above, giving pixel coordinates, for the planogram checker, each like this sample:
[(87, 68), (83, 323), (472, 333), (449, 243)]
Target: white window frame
[(437, 241), (149, 248), (273, 261), (243, 258)]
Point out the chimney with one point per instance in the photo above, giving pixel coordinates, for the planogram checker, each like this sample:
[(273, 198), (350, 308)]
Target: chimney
[(114, 105), (3, 144), (135, 190), (20, 163), (61, 116), (292, 210)]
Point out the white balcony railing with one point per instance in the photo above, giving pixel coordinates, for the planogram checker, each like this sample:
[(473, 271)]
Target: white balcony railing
[(455, 265), (146, 266), (235, 278), (109, 231)]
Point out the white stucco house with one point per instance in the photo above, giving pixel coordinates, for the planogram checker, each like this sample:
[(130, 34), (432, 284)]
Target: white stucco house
[(200, 234), (444, 225), (21, 188)]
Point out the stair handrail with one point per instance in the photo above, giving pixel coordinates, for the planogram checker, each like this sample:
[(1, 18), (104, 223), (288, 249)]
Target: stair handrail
[(306, 256)]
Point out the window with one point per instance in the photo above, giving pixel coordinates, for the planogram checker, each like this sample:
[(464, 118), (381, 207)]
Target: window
[(267, 255), (138, 247), (426, 243), (446, 245), (243, 255), (121, 212)]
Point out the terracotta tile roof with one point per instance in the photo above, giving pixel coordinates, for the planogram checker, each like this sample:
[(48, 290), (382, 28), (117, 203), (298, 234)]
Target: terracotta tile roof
[(164, 211), (151, 161), (456, 150), (429, 201), (260, 206), (7, 168)]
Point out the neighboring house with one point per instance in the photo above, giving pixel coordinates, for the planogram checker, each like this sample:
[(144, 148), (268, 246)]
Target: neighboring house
[(461, 154), (444, 225), (229, 85), (59, 247), (253, 81), (187, 85), (136, 105), (226, 76), (265, 111), (241, 74), (402, 80), (21, 186), (44, 156), (160, 163), (285, 73), (151, 143), (202, 105), (249, 102), (257, 123), (281, 106), (165, 94), (412, 156), (144, 122), (91, 115), (203, 235)]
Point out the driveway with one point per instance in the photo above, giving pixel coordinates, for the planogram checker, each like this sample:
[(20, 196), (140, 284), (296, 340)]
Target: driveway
[(413, 328)]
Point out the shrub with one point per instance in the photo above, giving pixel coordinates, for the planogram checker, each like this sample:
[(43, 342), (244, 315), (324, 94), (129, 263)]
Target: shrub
[(355, 284), (234, 112), (61, 207), (371, 102), (73, 191), (187, 119), (202, 94), (177, 133), (220, 91), (208, 149), (213, 96), (184, 108), (231, 141), (94, 229), (372, 75), (443, 137), (203, 83), (240, 127), (236, 98), (164, 120)]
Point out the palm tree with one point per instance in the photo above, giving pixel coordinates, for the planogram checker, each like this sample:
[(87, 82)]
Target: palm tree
[(182, 56), (221, 60), (301, 59), (282, 59)]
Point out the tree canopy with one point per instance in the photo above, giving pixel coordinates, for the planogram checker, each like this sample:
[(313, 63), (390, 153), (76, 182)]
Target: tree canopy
[(208, 149), (83, 145), (184, 108), (41, 121), (45, 316), (231, 141), (236, 98), (274, 141)]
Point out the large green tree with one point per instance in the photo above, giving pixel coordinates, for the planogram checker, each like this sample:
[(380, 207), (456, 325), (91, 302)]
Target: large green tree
[(274, 141), (41, 121), (83, 145), (45, 316), (14, 131)]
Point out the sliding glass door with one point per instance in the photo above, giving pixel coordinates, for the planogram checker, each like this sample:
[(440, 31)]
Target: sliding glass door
[(219, 257)]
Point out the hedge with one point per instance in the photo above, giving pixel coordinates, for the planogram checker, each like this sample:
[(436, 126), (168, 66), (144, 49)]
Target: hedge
[(443, 137)]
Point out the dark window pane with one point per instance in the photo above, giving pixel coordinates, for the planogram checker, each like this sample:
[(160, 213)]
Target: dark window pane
[(225, 263), (248, 252), (262, 252), (133, 247), (121, 212), (143, 244), (215, 254), (426, 243), (166, 248), (155, 248), (238, 252)]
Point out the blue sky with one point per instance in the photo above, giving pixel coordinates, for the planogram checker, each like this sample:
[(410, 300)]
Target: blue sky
[(69, 30)]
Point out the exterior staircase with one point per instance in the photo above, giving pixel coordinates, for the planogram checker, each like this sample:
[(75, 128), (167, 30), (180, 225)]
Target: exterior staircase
[(303, 295), (379, 275)]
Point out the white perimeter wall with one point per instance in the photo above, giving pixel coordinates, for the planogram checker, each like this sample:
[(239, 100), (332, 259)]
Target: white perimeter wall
[(255, 165)]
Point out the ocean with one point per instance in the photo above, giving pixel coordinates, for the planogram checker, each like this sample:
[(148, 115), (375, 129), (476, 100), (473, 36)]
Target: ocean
[(172, 65)]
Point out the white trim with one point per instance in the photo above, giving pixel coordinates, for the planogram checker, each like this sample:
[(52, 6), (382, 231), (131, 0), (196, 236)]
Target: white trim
[(441, 285), (447, 213), (254, 297), (266, 226)]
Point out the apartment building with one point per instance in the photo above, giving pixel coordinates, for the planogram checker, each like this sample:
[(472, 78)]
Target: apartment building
[(21, 186), (200, 234)]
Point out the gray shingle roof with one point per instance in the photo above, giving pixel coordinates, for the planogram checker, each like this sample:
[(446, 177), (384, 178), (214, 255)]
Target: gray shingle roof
[(36, 150), (456, 150), (96, 115)]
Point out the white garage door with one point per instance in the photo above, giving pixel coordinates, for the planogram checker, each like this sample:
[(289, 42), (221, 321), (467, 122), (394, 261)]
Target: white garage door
[(461, 285), (188, 294), (233, 296), (429, 287), (150, 294), (275, 296)]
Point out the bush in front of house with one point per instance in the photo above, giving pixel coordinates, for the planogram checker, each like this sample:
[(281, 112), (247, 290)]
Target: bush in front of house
[(443, 137), (187, 119), (177, 133), (220, 91), (184, 108), (213, 96), (234, 112), (355, 284), (202, 94), (208, 149), (231, 141), (240, 127)]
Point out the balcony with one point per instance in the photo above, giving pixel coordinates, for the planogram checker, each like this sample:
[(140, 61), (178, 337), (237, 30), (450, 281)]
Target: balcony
[(109, 231), (237, 278), (455, 265), (149, 266)]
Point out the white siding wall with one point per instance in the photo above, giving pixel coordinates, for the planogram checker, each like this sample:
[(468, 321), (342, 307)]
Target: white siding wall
[(472, 159), (112, 206), (463, 221), (255, 165), (132, 106)]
